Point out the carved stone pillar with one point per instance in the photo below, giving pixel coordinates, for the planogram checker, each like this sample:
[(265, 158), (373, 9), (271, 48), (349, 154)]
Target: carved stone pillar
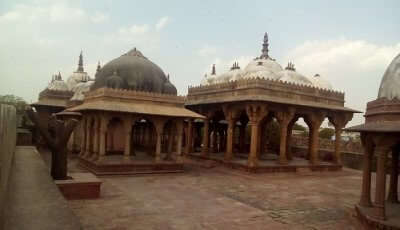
[(393, 193), (96, 123), (367, 162), (379, 205), (179, 129), (84, 137), (189, 137), (88, 136), (103, 132), (316, 120), (256, 114), (289, 139), (284, 119), (128, 137), (229, 140), (206, 136), (159, 126), (339, 121)]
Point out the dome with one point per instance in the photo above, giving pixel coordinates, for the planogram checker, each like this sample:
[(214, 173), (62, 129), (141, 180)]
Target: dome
[(264, 74), (136, 73), (209, 79), (290, 75), (79, 89), (57, 83), (169, 88), (390, 84), (320, 82), (78, 76), (259, 64), (235, 73)]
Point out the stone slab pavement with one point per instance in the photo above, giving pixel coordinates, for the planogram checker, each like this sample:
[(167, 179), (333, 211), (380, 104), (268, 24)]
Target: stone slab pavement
[(219, 198)]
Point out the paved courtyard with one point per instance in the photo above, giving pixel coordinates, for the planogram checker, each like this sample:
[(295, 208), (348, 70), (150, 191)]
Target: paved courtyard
[(215, 197)]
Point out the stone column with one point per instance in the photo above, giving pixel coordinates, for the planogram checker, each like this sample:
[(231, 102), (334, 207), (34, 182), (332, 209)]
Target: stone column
[(339, 121), (206, 136), (242, 139), (229, 140), (170, 142), (256, 114), (88, 136), (103, 132), (367, 162), (284, 118), (159, 126), (83, 140), (316, 121), (289, 139), (128, 136), (189, 137), (95, 138), (393, 193), (379, 205), (179, 129)]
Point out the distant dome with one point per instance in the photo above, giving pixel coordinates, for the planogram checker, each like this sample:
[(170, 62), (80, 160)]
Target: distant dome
[(57, 83), (78, 76), (136, 73), (233, 74), (290, 75), (263, 74), (79, 89), (320, 82), (390, 84)]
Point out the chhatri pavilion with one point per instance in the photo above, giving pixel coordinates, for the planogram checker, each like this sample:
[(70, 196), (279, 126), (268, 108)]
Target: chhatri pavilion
[(250, 99), (380, 135)]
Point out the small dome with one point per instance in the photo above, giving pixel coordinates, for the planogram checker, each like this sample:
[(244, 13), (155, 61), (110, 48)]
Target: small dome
[(79, 89), (136, 73), (320, 82), (76, 78), (390, 84), (57, 83), (290, 75)]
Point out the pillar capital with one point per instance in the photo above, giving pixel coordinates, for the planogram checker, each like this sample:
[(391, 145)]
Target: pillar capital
[(256, 113), (284, 117), (339, 120)]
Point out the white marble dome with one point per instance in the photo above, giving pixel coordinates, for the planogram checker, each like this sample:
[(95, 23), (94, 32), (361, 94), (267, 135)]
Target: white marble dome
[(390, 84), (291, 76), (79, 89), (320, 82), (259, 64), (263, 74)]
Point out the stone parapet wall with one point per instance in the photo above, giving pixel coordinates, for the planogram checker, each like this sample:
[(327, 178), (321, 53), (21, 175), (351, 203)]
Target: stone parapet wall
[(56, 94), (383, 109), (8, 138), (127, 95), (269, 87)]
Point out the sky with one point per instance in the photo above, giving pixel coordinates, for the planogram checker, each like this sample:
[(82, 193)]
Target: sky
[(349, 43)]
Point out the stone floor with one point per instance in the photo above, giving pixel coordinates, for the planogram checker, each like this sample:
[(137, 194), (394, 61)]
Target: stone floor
[(208, 196)]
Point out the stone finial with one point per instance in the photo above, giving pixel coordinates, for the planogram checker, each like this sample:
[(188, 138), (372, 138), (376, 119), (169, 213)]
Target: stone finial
[(213, 72), (80, 63), (98, 67), (168, 77), (264, 51), (317, 75), (235, 66), (290, 66), (59, 76)]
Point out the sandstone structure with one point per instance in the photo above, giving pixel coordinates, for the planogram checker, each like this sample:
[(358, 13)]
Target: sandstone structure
[(380, 136)]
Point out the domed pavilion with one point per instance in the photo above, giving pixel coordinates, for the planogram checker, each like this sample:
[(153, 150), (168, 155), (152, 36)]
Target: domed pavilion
[(380, 135), (133, 119), (250, 99)]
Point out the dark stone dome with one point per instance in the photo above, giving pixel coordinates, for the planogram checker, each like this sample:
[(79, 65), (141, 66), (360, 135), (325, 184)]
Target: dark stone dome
[(134, 72)]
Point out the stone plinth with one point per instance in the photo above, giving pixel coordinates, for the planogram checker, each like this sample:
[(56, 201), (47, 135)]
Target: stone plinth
[(366, 217), (80, 186)]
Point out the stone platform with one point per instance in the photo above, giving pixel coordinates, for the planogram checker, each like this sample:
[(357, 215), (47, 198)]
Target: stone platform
[(268, 163), (80, 186), (365, 215), (118, 165)]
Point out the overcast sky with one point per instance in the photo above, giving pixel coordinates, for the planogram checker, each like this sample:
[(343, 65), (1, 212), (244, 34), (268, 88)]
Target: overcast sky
[(350, 43)]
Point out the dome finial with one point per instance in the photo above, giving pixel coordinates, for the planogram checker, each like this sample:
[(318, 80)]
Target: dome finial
[(264, 51), (290, 66), (80, 63), (213, 72), (59, 76), (168, 77), (98, 67)]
